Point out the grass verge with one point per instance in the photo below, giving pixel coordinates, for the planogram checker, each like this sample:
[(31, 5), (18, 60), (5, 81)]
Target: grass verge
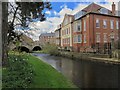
[(46, 76), (36, 74)]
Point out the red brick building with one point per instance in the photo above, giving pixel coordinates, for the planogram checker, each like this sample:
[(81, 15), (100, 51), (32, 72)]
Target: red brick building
[(47, 38), (94, 28)]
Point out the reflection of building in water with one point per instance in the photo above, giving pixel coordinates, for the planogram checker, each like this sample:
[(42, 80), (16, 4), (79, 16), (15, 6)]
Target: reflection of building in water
[(67, 68), (83, 74), (58, 65)]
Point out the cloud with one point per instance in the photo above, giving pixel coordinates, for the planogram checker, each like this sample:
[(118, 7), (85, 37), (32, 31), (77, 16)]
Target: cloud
[(51, 23), (79, 7), (48, 12), (55, 13), (65, 10)]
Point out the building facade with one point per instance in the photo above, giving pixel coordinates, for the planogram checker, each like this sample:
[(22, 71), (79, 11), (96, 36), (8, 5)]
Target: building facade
[(58, 36), (92, 29), (47, 38), (66, 32)]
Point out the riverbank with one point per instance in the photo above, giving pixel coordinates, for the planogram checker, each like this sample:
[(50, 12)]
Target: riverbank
[(105, 58), (38, 75)]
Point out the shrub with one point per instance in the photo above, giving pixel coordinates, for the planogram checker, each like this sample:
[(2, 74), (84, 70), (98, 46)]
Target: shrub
[(19, 74), (51, 49)]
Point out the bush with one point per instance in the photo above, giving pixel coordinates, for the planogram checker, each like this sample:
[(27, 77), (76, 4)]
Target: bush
[(19, 74), (116, 54), (51, 49)]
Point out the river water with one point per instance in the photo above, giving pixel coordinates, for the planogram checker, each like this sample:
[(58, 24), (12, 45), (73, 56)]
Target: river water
[(85, 73)]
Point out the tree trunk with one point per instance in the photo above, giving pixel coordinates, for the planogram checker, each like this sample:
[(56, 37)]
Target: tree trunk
[(4, 33), (0, 33)]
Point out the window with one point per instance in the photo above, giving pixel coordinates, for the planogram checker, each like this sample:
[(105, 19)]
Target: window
[(67, 30), (79, 14), (68, 40), (84, 25), (117, 24), (105, 37), (111, 24), (79, 26), (75, 38), (104, 23), (97, 37), (103, 11), (85, 38), (97, 23), (78, 38)]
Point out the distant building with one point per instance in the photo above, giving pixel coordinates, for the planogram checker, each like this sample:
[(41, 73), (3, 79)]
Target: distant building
[(58, 35), (47, 38)]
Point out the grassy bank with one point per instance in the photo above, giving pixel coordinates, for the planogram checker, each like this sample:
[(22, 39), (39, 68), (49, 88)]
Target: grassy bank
[(41, 74), (47, 76)]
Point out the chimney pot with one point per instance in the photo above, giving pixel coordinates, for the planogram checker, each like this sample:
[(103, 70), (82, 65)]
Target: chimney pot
[(113, 8)]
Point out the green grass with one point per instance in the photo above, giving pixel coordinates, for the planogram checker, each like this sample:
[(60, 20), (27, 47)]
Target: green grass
[(41, 74), (46, 76), (18, 74)]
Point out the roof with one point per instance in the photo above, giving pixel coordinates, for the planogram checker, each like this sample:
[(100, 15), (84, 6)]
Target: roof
[(92, 7), (98, 14), (47, 34)]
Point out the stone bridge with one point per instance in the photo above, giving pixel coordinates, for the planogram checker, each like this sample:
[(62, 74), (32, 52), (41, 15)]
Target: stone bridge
[(27, 45)]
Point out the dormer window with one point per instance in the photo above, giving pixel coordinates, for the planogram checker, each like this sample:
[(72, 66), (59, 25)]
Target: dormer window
[(104, 11), (79, 14)]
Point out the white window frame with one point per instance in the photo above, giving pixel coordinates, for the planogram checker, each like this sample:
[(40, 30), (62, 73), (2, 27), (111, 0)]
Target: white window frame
[(97, 21), (117, 25), (104, 23), (80, 38), (78, 24), (84, 25), (98, 38), (76, 38), (85, 39), (111, 24), (105, 37)]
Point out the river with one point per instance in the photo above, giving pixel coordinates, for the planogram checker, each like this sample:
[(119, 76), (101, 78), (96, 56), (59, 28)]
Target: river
[(85, 73)]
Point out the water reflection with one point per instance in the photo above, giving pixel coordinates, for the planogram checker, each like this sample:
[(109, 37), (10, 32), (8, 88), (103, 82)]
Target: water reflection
[(85, 74)]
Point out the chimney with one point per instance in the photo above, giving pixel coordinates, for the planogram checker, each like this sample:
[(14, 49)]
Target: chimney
[(113, 8)]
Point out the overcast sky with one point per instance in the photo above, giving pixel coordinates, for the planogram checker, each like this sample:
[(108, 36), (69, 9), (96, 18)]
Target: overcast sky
[(59, 9)]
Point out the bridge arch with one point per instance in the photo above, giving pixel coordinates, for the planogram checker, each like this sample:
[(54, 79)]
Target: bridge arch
[(22, 49), (36, 48)]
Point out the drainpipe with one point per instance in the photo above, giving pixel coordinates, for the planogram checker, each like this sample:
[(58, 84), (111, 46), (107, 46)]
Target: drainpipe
[(93, 43)]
